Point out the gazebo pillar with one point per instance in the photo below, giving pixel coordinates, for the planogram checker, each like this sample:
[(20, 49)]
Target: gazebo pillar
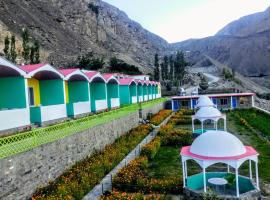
[(225, 123), (228, 168), (204, 180), (257, 176), (237, 182), (184, 174), (192, 125), (202, 125), (250, 170)]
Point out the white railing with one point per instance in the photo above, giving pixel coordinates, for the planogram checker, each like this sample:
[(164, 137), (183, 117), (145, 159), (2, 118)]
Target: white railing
[(263, 110), (115, 102), (101, 105), (81, 108), (145, 97), (53, 112), (14, 118), (134, 99)]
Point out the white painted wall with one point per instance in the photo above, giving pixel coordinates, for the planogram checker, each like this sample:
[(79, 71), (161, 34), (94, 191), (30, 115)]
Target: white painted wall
[(158, 95), (134, 99), (150, 97), (14, 118), (53, 112), (140, 98), (115, 102), (101, 105), (145, 97), (81, 108)]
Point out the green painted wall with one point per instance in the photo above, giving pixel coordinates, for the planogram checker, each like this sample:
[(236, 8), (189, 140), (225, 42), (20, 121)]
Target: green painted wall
[(70, 109), (124, 95), (12, 93), (133, 90), (97, 92), (78, 91), (35, 115), (112, 92), (140, 91), (51, 92), (145, 91)]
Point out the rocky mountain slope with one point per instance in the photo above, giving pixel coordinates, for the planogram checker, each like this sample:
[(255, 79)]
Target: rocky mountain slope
[(243, 45), (67, 29)]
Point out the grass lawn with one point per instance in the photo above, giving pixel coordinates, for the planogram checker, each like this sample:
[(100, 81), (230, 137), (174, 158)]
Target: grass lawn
[(250, 138), (166, 163)]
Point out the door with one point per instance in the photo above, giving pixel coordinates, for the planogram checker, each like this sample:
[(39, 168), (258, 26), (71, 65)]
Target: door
[(234, 102), (31, 96)]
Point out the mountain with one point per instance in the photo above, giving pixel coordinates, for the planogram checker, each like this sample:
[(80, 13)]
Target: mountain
[(243, 45), (67, 29)]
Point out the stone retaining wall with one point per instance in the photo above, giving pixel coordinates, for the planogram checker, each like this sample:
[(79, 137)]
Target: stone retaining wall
[(21, 174)]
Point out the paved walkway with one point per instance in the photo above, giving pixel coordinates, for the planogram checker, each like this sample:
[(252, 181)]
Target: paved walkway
[(106, 183)]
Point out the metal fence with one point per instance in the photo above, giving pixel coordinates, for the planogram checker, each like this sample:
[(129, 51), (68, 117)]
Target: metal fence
[(22, 142)]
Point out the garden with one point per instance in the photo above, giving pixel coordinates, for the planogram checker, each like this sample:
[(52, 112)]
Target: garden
[(158, 170), (83, 176)]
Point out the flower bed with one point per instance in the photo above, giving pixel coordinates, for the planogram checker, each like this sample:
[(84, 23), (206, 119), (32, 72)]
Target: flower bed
[(160, 117), (150, 150), (134, 178), (116, 195), (83, 176)]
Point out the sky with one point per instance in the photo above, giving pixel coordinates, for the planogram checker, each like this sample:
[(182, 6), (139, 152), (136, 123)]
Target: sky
[(178, 20)]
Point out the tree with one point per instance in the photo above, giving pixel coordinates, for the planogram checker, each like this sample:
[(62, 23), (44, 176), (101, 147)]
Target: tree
[(97, 63), (179, 66), (171, 64), (164, 68), (25, 46), (156, 70), (6, 48), (117, 65), (13, 54), (34, 53), (204, 83)]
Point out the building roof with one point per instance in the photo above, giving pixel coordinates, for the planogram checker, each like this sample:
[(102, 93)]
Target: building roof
[(215, 95), (9, 69), (30, 68), (66, 72), (74, 74), (48, 71), (126, 81)]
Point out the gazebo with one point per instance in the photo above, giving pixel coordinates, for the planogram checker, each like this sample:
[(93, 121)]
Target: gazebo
[(220, 147), (208, 113), (204, 101)]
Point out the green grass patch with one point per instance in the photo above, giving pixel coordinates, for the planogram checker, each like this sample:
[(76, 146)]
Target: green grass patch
[(166, 163)]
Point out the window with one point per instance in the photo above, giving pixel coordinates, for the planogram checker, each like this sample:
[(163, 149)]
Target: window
[(31, 96), (243, 100), (223, 102), (185, 103)]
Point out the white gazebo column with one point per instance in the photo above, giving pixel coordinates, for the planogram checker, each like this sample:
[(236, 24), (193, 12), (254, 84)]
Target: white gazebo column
[(250, 170), (184, 174), (204, 180), (257, 175), (202, 126), (225, 123), (192, 125), (237, 182), (228, 168)]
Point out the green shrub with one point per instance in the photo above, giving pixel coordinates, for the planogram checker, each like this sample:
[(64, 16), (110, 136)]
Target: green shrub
[(150, 150)]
